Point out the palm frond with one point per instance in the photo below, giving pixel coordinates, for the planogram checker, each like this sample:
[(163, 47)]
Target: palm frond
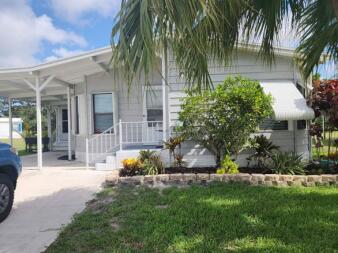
[(199, 32), (319, 29)]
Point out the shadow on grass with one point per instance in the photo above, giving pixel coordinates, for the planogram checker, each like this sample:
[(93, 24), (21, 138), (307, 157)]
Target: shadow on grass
[(217, 218)]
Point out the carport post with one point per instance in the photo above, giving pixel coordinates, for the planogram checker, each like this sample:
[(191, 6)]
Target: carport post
[(69, 126), (38, 121), (49, 128), (10, 121)]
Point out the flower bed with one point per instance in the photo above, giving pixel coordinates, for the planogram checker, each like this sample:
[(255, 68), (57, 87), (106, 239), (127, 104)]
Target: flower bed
[(204, 178)]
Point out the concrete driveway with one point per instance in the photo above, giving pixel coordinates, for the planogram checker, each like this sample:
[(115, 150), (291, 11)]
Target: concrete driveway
[(44, 202)]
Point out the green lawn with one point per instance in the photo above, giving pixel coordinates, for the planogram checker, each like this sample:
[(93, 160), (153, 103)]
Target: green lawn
[(19, 144), (216, 218)]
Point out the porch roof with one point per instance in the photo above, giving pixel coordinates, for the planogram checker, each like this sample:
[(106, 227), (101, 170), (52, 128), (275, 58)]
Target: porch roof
[(64, 72), (288, 102)]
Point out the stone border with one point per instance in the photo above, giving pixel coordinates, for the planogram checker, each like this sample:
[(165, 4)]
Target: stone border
[(204, 178)]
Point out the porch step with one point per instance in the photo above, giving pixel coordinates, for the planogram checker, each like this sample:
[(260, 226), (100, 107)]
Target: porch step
[(109, 164), (60, 146)]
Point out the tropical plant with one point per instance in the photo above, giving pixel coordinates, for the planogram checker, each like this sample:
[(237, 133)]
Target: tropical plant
[(324, 101), (287, 163), (198, 30), (227, 166), (179, 163), (145, 155), (131, 167), (153, 165), (221, 120), (263, 149), (172, 144)]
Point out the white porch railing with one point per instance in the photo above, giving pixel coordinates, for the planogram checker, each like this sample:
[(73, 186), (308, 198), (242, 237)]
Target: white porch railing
[(123, 135)]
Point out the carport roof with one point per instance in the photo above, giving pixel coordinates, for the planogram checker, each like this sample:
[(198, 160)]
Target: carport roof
[(65, 72)]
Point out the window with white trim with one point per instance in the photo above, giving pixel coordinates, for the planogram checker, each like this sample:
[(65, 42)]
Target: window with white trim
[(270, 124), (154, 105), (103, 116)]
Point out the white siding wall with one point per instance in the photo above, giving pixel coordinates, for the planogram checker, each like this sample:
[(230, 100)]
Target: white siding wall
[(248, 65), (129, 107)]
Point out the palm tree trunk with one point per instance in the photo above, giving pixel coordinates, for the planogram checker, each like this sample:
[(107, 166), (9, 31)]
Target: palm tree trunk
[(335, 7)]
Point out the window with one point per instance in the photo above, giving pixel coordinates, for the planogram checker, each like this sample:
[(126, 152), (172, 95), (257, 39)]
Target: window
[(64, 121), (301, 124), (300, 88), (103, 112), (270, 124), (154, 105), (77, 129)]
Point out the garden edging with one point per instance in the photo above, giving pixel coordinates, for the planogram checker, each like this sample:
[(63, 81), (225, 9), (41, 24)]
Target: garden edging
[(203, 178)]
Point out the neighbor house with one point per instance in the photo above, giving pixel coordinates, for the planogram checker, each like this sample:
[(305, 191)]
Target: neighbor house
[(17, 127), (102, 122)]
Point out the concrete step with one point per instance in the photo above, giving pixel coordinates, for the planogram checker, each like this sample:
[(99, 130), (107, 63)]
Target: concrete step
[(60, 146)]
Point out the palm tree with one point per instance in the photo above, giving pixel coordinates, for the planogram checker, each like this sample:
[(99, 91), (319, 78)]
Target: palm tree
[(197, 30)]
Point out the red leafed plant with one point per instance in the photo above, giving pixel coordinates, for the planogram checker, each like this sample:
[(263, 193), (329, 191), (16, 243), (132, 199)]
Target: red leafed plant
[(324, 101)]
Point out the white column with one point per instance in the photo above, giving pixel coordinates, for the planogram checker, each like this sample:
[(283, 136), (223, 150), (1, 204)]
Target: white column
[(69, 126), (38, 121), (10, 121), (165, 94), (49, 128)]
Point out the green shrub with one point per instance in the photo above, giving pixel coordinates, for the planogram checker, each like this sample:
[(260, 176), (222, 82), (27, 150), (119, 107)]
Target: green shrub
[(145, 155), (222, 119), (151, 163), (287, 163), (228, 166)]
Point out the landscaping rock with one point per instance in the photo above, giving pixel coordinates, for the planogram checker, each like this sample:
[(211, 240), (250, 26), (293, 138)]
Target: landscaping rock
[(285, 178), (217, 177), (112, 180), (176, 177), (271, 177), (314, 178), (162, 178), (328, 178), (298, 178), (148, 179), (203, 176), (257, 177), (243, 177)]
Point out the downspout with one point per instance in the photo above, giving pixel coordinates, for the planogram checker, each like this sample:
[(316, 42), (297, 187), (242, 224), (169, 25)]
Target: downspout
[(165, 93), (294, 122)]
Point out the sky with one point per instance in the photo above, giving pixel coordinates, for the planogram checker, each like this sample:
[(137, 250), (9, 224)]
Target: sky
[(36, 31)]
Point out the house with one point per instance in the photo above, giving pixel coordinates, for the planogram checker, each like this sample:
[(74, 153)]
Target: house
[(102, 122), (16, 128)]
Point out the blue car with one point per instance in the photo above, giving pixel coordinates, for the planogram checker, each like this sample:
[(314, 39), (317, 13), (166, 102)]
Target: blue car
[(10, 169)]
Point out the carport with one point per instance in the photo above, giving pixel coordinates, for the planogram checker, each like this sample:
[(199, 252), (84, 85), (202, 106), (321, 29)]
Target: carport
[(53, 84)]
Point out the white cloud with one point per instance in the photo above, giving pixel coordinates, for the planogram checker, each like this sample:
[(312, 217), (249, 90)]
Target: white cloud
[(75, 11), (62, 53), (23, 33)]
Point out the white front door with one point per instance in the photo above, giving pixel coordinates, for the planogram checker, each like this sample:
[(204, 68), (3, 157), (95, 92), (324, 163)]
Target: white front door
[(153, 116), (63, 124)]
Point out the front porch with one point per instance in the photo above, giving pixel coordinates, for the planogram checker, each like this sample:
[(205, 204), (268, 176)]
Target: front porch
[(90, 112), (50, 160)]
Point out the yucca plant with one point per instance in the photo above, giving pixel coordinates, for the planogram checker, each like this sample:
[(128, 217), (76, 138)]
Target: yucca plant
[(287, 163)]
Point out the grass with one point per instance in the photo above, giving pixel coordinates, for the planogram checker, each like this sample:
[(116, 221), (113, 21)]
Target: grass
[(19, 144), (216, 218)]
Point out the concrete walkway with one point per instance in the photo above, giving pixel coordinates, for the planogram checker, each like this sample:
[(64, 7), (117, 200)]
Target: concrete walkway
[(44, 202), (50, 160)]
